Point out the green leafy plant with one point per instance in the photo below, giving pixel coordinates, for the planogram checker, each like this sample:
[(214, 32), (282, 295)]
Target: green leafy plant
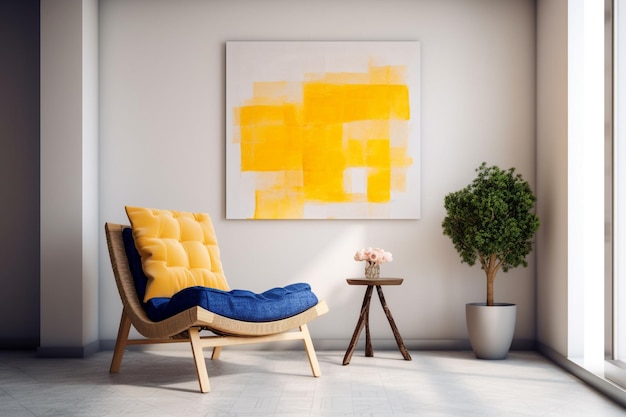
[(491, 221)]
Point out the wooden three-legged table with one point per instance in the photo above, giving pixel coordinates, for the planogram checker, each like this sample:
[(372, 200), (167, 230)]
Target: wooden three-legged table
[(364, 317)]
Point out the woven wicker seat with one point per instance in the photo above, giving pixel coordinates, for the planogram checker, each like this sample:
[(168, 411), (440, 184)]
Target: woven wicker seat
[(186, 326)]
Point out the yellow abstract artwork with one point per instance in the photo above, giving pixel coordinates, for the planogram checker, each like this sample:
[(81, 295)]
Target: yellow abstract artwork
[(323, 130)]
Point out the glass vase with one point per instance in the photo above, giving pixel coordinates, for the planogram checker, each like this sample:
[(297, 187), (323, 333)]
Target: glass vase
[(372, 271)]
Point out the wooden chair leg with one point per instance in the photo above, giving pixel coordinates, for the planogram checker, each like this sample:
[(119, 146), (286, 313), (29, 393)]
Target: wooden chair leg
[(217, 350), (198, 357), (310, 351), (120, 343)]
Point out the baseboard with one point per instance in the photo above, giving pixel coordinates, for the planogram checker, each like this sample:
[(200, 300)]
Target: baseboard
[(320, 345), (341, 344), (68, 351), (19, 344), (415, 344), (390, 344), (601, 384)]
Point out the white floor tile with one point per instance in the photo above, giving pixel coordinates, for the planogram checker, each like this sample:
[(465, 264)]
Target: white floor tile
[(265, 383)]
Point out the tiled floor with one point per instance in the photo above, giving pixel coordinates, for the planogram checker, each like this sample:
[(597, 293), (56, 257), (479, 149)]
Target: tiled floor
[(278, 383)]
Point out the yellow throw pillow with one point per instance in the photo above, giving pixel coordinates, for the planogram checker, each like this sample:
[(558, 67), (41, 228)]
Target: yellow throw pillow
[(178, 250)]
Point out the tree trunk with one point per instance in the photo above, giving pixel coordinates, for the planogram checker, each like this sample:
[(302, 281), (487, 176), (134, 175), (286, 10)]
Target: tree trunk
[(491, 272)]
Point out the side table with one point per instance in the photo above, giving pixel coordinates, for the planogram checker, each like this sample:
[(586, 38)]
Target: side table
[(364, 316)]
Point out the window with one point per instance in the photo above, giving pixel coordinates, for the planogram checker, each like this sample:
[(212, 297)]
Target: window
[(615, 340)]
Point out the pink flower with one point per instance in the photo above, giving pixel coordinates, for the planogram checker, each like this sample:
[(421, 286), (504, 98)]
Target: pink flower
[(360, 255), (373, 255)]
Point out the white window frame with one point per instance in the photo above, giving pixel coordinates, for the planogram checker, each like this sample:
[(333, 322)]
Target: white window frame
[(615, 340)]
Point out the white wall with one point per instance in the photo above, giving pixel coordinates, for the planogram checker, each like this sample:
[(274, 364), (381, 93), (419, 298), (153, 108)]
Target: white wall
[(90, 194), (162, 135), (552, 168), (69, 178)]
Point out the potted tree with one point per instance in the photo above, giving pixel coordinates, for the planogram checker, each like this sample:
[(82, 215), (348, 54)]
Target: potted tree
[(490, 221)]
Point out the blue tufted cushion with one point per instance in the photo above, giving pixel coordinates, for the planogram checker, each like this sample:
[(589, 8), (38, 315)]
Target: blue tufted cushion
[(273, 304), (134, 262)]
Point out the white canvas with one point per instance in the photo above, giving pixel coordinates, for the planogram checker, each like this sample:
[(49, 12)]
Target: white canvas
[(323, 130)]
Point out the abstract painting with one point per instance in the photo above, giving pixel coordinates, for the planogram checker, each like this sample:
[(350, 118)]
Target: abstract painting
[(323, 130)]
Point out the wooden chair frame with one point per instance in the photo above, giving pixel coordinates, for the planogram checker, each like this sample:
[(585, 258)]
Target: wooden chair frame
[(186, 326)]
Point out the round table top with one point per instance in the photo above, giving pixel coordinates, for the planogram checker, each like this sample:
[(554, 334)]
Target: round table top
[(378, 281)]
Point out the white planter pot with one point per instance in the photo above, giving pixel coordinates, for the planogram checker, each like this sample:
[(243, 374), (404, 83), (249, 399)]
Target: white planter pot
[(490, 328)]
